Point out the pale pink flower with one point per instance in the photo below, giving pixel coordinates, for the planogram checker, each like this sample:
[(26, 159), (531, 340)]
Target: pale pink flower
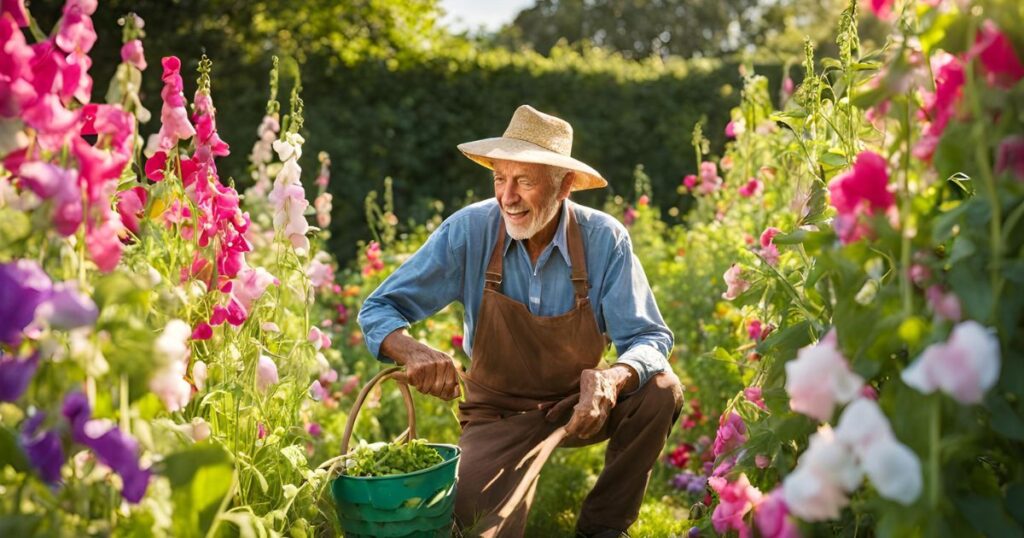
[(320, 274), (709, 179), (199, 374), (103, 243), (169, 385), (266, 373), (288, 198), (735, 282), (817, 489), (964, 367), (175, 125), (317, 391), (892, 467), (819, 378), (318, 338), (132, 54), (770, 254), (946, 305), (50, 182)]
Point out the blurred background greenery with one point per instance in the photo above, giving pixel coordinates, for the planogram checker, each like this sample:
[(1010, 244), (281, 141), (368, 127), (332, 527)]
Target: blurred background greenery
[(389, 90)]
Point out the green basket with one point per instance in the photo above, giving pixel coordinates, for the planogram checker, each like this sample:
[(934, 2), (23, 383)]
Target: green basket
[(417, 504)]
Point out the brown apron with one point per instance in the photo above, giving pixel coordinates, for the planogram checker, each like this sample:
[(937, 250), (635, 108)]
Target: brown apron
[(522, 383)]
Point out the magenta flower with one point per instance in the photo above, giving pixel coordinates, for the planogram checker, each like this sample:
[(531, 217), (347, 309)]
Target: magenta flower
[(690, 181), (1011, 156), (17, 11), (939, 107), (132, 54), (768, 235), (735, 500), (753, 187), (202, 331), (15, 375), (772, 517), (731, 434), (860, 192), (999, 61), (882, 9), (753, 395), (112, 447)]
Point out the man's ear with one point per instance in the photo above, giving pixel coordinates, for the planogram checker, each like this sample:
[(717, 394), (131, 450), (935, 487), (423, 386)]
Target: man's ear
[(566, 187)]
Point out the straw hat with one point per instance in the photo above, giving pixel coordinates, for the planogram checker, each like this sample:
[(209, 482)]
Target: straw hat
[(534, 137)]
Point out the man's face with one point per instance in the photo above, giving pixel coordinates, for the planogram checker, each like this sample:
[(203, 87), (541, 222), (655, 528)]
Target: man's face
[(527, 197)]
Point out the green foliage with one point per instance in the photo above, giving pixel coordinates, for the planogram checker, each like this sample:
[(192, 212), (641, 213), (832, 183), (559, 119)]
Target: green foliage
[(391, 458)]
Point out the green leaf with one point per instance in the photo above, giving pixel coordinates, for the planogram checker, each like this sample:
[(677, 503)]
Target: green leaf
[(1005, 418), (972, 286), (986, 515), (10, 452), (1015, 501), (14, 226), (200, 478), (962, 248)]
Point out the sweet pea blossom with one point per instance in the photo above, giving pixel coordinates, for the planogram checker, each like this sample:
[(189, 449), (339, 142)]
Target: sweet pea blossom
[(817, 489), (893, 468), (709, 178), (819, 378), (941, 105), (266, 373), (132, 54), (736, 499), (320, 274), (768, 235), (172, 350), (753, 395), (860, 192), (771, 515), (112, 447), (16, 8), (43, 449), (23, 287), (964, 367), (15, 375), (60, 186), (998, 60), (945, 305), (690, 181), (731, 434), (734, 282), (753, 187)]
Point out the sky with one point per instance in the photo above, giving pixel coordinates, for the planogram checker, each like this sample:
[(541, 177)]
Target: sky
[(472, 14)]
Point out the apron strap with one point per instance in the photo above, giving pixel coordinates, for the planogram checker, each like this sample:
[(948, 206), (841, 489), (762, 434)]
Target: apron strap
[(492, 278), (580, 280)]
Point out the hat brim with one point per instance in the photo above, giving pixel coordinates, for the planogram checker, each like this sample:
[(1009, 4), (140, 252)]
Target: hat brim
[(485, 151)]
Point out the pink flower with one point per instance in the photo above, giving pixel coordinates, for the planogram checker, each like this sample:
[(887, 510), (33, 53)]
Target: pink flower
[(317, 391), (319, 339), (1011, 156), (731, 434), (860, 192), (770, 255), (919, 274), (754, 329), (709, 179), (753, 187), (819, 378), (680, 456), (173, 116), (199, 375), (945, 305), (734, 282), (103, 243), (320, 274), (869, 392), (998, 59), (690, 181), (753, 395), (288, 198), (203, 331), (761, 461), (261, 430), (60, 185), (16, 8), (772, 517), (787, 89), (768, 235), (131, 53), (893, 468), (629, 216), (735, 500), (351, 384), (643, 201), (266, 373), (457, 341), (964, 367), (734, 129), (881, 8), (130, 205), (939, 107)]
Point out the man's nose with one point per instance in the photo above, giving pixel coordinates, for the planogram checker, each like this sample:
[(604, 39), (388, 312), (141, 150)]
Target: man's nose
[(510, 194)]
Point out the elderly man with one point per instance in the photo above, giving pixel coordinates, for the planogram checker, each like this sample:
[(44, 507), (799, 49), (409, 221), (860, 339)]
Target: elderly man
[(543, 280)]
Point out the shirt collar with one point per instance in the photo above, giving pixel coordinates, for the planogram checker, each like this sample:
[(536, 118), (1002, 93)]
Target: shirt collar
[(561, 234)]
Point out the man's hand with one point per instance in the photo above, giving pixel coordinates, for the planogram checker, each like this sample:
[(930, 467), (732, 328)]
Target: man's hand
[(431, 371), (598, 391)]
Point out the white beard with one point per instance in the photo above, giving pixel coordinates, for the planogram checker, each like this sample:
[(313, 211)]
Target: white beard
[(541, 217)]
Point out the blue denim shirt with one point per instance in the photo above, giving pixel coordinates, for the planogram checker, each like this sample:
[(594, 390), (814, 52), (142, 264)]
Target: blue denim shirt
[(450, 267)]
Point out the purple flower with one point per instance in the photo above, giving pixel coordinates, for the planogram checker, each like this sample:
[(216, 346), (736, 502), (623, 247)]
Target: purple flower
[(15, 375), (23, 287), (43, 449), (314, 429), (112, 447), (68, 308)]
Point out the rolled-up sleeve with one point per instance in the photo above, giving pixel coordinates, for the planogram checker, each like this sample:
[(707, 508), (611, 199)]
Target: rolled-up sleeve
[(429, 280), (632, 318)]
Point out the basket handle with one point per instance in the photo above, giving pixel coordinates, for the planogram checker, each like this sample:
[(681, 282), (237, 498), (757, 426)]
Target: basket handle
[(398, 375)]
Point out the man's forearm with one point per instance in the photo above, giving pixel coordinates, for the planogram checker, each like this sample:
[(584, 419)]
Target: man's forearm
[(399, 346), (626, 379)]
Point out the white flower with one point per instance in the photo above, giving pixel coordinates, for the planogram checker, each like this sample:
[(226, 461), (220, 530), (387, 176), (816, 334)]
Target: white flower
[(170, 386), (964, 367), (819, 378), (894, 469), (172, 344), (199, 374), (861, 425), (825, 473)]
